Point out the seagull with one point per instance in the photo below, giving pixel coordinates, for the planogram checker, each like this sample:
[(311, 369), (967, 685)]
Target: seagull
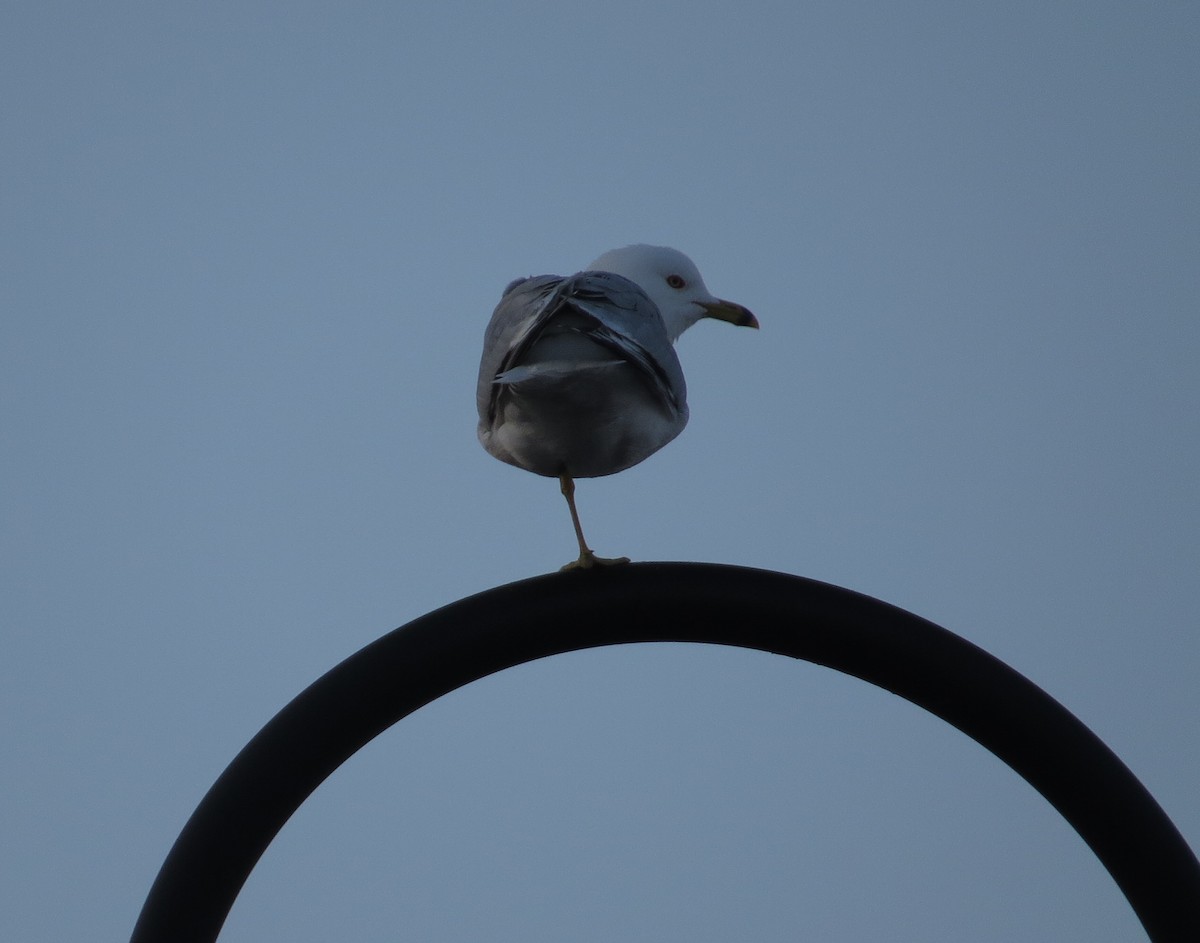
[(579, 376)]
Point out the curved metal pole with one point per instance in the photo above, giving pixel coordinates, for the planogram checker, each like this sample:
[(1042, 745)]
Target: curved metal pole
[(670, 602)]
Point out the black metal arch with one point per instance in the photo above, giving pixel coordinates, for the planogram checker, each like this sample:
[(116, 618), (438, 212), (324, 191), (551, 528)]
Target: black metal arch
[(670, 602)]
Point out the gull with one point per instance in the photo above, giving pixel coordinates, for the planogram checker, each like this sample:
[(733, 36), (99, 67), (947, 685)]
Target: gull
[(579, 376)]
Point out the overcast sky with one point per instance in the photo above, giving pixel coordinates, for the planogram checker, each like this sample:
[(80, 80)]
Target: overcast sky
[(249, 250)]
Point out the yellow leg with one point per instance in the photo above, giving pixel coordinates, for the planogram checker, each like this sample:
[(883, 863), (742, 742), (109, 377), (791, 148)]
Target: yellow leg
[(587, 559)]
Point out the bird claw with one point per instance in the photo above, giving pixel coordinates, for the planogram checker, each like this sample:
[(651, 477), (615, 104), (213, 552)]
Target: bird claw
[(589, 561)]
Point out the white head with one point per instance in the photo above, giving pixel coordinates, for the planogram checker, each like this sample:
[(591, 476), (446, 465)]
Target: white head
[(673, 283)]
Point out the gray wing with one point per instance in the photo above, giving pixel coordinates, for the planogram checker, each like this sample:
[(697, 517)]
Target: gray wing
[(521, 310), (619, 316)]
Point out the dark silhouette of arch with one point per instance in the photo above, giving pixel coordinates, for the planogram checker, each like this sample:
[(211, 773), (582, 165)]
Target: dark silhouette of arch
[(670, 602)]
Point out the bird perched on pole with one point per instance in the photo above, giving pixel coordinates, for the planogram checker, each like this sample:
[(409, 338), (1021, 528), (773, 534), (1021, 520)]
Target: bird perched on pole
[(579, 376)]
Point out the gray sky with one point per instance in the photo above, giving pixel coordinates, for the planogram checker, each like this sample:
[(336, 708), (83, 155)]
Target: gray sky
[(249, 250)]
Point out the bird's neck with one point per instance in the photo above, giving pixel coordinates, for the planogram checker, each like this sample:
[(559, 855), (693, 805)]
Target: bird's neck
[(676, 322)]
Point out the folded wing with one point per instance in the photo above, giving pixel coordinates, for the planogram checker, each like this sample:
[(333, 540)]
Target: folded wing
[(598, 318)]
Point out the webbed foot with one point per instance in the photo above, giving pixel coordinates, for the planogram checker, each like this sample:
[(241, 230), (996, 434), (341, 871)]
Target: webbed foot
[(588, 561)]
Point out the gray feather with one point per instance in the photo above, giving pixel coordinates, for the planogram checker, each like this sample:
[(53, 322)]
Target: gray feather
[(617, 315)]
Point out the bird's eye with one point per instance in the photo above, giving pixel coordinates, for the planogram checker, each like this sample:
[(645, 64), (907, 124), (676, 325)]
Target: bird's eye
[(676, 281)]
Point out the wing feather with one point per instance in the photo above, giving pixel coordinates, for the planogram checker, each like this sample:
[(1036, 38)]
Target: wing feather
[(618, 316)]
